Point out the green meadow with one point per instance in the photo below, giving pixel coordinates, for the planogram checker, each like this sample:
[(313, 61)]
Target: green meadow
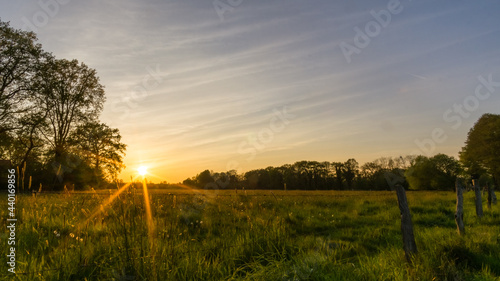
[(253, 235)]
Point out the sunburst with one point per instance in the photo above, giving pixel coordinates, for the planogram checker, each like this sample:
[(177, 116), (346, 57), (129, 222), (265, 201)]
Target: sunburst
[(142, 170)]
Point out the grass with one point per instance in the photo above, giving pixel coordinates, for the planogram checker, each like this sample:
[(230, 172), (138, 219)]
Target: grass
[(256, 235)]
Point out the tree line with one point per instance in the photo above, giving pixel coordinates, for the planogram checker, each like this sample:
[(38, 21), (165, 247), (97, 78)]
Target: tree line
[(479, 159), (49, 116)]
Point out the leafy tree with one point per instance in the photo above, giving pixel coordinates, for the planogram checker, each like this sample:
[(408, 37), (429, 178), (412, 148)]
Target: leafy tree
[(204, 178), (339, 173), (351, 170), (372, 176), (101, 148), (252, 179), (189, 182), (435, 173), (71, 95), (20, 57), (481, 152)]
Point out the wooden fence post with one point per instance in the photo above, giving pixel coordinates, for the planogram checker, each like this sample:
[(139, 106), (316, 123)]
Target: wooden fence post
[(459, 214), (409, 244), (494, 196), (479, 203), (490, 194)]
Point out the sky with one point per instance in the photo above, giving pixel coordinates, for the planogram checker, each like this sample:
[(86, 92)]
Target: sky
[(246, 84)]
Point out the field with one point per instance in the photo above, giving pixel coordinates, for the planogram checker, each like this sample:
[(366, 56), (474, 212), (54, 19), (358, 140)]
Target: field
[(253, 235)]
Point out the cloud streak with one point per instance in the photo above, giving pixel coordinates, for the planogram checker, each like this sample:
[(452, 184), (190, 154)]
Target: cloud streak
[(223, 79)]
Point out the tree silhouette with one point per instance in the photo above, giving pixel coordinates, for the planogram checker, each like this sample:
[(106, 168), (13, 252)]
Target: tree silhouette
[(19, 57), (100, 147), (71, 94)]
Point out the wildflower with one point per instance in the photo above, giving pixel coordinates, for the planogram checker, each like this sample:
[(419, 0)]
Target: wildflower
[(71, 235), (81, 239)]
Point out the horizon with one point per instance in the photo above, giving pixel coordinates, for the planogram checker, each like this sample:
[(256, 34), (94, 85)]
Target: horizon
[(194, 86)]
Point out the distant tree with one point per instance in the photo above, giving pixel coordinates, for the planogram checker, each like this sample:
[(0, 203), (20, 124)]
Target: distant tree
[(435, 173), (204, 178), (226, 180), (351, 170), (372, 176), (189, 182), (339, 174), (275, 178), (252, 179), (481, 153)]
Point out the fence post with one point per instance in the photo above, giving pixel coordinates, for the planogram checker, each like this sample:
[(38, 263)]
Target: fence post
[(459, 214), (490, 194), (479, 203), (409, 244), (493, 195)]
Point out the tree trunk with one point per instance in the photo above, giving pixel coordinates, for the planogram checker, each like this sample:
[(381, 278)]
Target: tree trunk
[(479, 203), (409, 244), (459, 214)]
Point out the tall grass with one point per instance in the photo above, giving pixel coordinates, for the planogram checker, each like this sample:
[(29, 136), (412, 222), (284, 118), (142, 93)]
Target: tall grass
[(257, 236)]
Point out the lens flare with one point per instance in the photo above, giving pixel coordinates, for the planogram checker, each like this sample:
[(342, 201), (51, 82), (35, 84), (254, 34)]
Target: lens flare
[(143, 170)]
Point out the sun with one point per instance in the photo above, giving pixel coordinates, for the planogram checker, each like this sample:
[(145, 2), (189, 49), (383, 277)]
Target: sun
[(143, 170)]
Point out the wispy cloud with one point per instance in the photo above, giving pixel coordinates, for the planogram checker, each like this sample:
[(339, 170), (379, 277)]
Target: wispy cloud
[(225, 78)]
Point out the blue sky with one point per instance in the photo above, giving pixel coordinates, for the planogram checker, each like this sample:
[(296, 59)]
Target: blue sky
[(191, 88)]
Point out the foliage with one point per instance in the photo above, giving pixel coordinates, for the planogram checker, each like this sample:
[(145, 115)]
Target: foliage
[(481, 153), (100, 147), (44, 101), (72, 96), (19, 56), (435, 173)]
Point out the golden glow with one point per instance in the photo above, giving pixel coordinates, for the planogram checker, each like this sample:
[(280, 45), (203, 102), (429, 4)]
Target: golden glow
[(108, 202), (143, 170), (149, 214)]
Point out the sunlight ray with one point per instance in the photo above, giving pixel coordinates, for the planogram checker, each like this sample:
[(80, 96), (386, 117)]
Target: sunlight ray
[(110, 200)]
